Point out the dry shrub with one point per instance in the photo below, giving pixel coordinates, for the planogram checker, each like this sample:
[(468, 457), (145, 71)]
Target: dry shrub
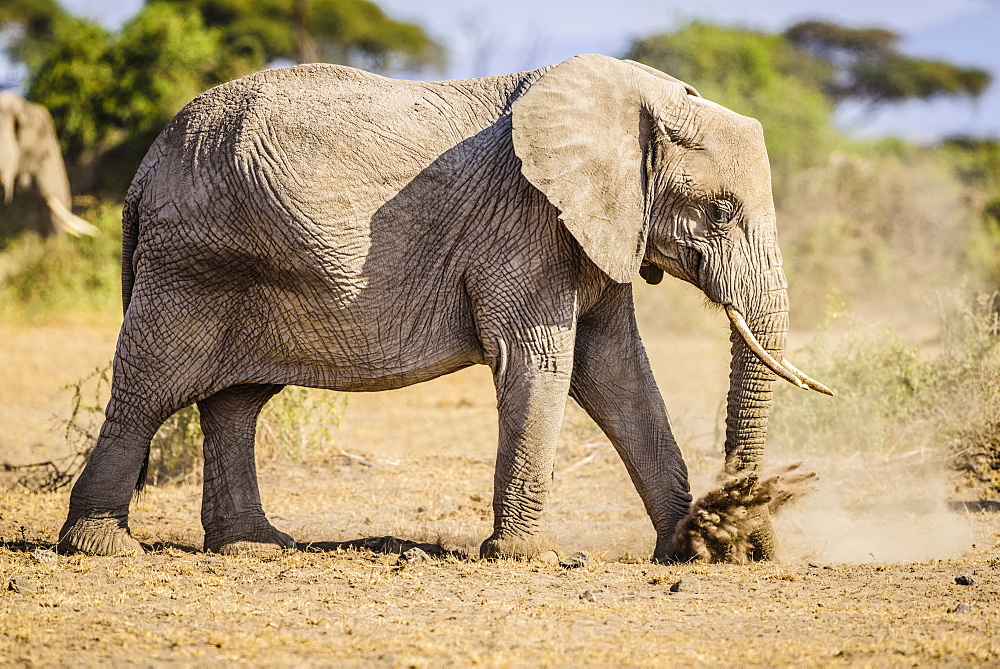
[(865, 226), (893, 399), (299, 423), (296, 424)]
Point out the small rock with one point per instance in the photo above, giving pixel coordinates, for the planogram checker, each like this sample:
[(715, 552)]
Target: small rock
[(575, 561), (965, 579), (588, 596), (962, 607), (44, 555), (207, 561), (413, 556), (548, 557), (686, 585), (20, 585)]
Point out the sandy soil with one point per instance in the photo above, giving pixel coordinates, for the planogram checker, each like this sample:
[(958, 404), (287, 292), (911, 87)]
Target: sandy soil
[(868, 570)]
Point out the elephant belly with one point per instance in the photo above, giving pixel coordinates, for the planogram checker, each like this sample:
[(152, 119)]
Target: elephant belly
[(379, 341)]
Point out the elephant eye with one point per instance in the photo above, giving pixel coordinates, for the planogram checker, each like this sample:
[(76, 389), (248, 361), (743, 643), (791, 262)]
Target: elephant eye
[(721, 211)]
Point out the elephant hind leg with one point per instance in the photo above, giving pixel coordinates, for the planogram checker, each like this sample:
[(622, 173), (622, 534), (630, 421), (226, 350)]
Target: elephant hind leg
[(231, 511), (97, 523)]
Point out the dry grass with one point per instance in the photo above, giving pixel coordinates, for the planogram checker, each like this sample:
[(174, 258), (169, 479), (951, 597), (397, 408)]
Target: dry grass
[(417, 464), (354, 607)]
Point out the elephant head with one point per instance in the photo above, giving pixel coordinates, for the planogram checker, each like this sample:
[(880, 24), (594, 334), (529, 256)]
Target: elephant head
[(30, 159), (649, 176)]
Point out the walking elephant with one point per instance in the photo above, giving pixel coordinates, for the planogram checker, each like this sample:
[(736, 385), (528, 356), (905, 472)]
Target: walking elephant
[(325, 227), (30, 161)]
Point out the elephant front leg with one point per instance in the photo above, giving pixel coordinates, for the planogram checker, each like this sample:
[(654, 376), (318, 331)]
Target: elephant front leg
[(531, 399), (231, 511), (614, 384)]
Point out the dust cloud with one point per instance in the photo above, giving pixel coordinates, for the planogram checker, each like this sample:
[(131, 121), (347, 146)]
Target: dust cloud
[(872, 510)]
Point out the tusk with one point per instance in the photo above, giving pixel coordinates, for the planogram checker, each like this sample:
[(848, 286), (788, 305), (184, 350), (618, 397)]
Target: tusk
[(784, 369), (67, 221), (806, 379), (736, 318)]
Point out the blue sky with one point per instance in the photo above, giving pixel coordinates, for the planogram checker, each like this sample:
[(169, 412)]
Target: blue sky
[(492, 37)]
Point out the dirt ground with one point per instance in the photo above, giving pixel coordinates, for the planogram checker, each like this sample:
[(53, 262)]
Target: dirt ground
[(867, 576)]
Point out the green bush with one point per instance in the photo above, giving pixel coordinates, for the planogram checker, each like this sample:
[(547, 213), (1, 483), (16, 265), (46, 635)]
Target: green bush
[(59, 274)]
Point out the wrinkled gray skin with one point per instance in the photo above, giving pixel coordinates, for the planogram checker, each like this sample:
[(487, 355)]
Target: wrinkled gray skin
[(30, 160), (321, 226)]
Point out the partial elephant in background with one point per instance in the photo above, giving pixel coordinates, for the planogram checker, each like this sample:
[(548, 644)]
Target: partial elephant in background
[(30, 161), (322, 226)]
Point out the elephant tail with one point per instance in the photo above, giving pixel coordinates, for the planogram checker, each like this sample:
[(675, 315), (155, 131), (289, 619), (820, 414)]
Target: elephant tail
[(130, 239)]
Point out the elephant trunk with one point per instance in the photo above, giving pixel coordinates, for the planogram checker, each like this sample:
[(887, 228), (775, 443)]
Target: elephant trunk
[(751, 381)]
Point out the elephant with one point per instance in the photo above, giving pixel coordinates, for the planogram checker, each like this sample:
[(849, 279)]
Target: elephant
[(30, 161), (325, 227)]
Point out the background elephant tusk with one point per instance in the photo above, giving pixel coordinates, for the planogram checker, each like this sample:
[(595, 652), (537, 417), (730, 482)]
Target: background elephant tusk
[(67, 221), (736, 318), (806, 379)]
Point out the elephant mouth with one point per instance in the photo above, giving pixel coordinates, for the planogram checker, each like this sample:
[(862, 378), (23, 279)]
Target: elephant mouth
[(783, 369), (694, 264)]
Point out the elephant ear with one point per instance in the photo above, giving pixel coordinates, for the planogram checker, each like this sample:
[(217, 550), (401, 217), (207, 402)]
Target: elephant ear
[(582, 133)]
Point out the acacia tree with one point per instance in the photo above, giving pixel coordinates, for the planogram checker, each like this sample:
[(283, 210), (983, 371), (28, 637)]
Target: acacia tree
[(865, 65)]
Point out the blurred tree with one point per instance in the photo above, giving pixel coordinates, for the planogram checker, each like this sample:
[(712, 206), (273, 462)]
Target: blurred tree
[(110, 95), (74, 81), (758, 75), (352, 32), (32, 28), (864, 64)]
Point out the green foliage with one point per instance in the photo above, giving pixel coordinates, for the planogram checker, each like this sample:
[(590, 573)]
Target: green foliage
[(831, 41), (110, 96), (976, 161), (164, 58), (865, 65), (33, 28), (353, 32), (41, 276), (75, 81), (892, 398), (757, 75)]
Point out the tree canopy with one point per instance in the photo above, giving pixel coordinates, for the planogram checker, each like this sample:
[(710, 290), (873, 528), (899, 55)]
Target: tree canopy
[(111, 94), (352, 32), (865, 64)]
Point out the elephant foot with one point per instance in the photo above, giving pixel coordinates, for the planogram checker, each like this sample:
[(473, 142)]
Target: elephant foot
[(255, 536), (98, 536), (522, 547), (762, 542), (666, 552)]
